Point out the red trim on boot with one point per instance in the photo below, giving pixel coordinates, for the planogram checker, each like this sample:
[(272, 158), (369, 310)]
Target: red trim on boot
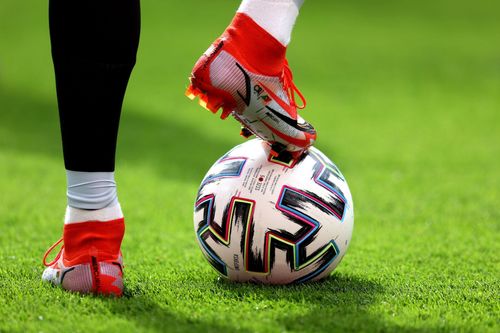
[(253, 46), (85, 240), (108, 286)]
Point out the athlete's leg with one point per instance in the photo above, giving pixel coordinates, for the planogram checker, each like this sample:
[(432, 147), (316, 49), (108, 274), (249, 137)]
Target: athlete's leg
[(245, 73), (94, 45)]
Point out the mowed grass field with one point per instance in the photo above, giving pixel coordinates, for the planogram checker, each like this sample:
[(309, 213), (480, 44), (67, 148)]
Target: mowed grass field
[(405, 96)]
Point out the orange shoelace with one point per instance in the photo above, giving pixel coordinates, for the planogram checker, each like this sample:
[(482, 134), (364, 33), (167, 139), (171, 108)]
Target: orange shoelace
[(50, 249), (291, 88)]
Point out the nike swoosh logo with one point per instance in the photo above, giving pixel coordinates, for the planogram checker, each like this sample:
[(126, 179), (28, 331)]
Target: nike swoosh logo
[(288, 108), (287, 138), (246, 98), (285, 119)]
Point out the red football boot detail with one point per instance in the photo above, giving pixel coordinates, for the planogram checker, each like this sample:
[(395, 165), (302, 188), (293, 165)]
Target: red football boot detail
[(90, 260), (245, 73)]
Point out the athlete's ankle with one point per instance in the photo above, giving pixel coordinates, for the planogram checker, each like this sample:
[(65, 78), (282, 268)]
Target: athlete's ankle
[(76, 215)]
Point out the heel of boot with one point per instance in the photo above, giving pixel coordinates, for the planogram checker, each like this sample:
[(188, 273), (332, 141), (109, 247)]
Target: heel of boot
[(211, 99), (110, 279)]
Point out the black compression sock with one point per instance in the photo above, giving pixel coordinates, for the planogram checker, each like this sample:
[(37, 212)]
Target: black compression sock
[(94, 45)]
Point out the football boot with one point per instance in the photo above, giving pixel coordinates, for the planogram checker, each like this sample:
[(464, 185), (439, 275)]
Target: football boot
[(90, 260), (245, 73)]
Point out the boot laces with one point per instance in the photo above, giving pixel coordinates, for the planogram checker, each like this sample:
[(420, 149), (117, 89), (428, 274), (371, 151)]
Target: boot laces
[(49, 250), (290, 87)]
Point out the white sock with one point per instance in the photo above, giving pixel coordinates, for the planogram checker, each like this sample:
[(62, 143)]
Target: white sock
[(91, 190), (75, 215), (276, 16)]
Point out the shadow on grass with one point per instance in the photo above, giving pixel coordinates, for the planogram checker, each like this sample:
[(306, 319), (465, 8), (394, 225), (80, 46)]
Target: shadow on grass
[(31, 126), (340, 302), (151, 316)]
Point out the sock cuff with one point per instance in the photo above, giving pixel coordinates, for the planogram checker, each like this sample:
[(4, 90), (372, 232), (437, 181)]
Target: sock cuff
[(76, 215), (91, 190)]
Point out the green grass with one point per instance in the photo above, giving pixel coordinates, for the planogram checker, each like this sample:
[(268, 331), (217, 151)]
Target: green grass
[(406, 98)]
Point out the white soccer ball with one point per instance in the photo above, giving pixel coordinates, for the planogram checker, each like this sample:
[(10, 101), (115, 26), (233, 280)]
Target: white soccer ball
[(263, 220)]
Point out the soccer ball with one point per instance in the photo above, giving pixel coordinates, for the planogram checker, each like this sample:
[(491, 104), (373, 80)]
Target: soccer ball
[(273, 220)]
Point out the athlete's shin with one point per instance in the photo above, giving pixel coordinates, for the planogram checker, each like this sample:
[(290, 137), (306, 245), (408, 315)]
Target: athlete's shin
[(94, 45)]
